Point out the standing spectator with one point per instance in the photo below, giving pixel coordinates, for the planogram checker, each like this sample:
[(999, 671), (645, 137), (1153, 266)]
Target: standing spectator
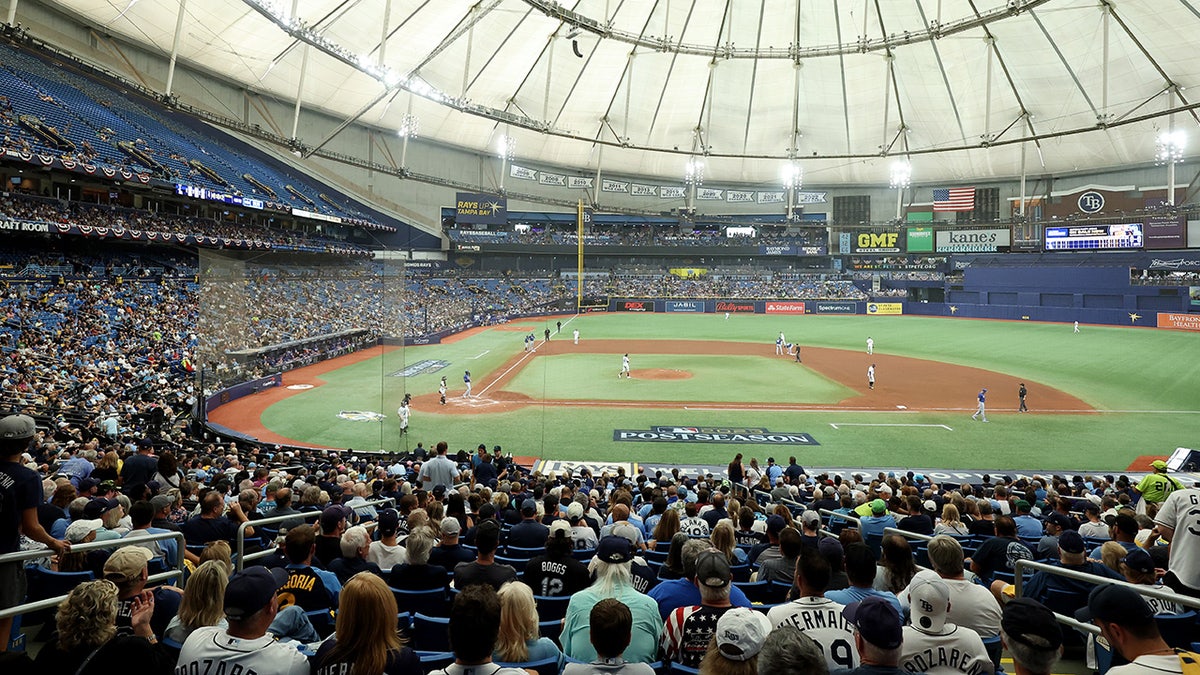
[(141, 466), (1030, 632), (365, 641), (1174, 523), (1156, 486), (474, 627), (440, 470)]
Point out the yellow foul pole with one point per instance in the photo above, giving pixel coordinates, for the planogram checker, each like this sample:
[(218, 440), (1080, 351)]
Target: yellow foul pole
[(579, 256)]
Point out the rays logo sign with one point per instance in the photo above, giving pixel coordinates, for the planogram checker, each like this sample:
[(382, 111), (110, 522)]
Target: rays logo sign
[(731, 435), (361, 416)]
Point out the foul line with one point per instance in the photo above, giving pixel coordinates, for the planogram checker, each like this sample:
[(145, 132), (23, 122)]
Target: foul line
[(855, 424), (513, 366), (472, 358)]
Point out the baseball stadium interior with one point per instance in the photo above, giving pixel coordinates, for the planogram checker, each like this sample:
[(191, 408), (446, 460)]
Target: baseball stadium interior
[(212, 210)]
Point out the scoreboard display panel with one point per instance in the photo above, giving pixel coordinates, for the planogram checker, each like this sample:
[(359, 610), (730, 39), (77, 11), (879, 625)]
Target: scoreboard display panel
[(1093, 237)]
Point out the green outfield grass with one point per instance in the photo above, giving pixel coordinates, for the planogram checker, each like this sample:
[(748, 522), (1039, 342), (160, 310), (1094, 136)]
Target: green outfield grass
[(713, 378), (1146, 382)]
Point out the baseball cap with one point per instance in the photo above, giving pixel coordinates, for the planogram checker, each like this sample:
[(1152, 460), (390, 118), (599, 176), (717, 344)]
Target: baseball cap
[(1159, 464), (876, 620), (125, 565), (450, 525), (1139, 560), (574, 511), (1071, 542), (332, 515), (86, 484), (1059, 520), (251, 589), (561, 528), (878, 506), (388, 521), (740, 633), (613, 549), (712, 569), (160, 502), (930, 601), (1022, 505), (17, 427), (1116, 603), (775, 524), (78, 530), (98, 506), (528, 506), (626, 531), (810, 517), (930, 505), (830, 546), (1031, 623)]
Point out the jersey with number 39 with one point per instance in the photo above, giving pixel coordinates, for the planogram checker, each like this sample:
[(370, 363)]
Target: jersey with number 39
[(1181, 512), (820, 619)]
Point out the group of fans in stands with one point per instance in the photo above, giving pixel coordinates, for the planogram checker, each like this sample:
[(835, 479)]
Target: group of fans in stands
[(786, 573)]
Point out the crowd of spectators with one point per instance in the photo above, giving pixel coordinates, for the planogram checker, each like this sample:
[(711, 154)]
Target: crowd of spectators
[(786, 571)]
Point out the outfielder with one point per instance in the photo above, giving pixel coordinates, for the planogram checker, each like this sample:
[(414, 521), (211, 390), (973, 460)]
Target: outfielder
[(870, 345), (982, 400), (442, 390), (467, 381), (576, 336), (1076, 326), (624, 367)]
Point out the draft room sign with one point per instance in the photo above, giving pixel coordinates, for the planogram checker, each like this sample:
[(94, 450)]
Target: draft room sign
[(733, 435)]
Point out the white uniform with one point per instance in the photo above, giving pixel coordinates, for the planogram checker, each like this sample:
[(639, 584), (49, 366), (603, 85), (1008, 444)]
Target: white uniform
[(467, 381), (952, 651), (871, 376), (576, 334), (821, 620), (442, 391), (624, 366), (1076, 326), (213, 649), (403, 413), (1181, 512), (870, 345), (726, 316), (779, 342)]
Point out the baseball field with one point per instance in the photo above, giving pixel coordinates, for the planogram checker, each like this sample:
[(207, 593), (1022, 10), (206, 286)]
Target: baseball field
[(1107, 398)]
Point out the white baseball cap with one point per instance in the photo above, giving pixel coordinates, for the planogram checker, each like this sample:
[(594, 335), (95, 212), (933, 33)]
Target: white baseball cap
[(929, 600), (741, 633)]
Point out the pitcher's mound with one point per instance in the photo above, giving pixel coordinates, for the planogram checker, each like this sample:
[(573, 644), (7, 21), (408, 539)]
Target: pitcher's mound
[(660, 374)]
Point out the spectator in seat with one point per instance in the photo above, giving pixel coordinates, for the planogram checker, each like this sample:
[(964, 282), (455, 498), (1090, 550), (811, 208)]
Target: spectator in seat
[(717, 513), (971, 605), (861, 569), (555, 573), (1093, 527), (783, 568), (613, 579), (664, 529), (746, 533), (88, 642), (484, 569), (449, 552), (878, 637), (984, 525), (611, 627), (530, 532), (365, 640), (832, 550), (693, 525), (1138, 568), (356, 543), (1028, 527), (1124, 531), (1054, 524), (1071, 557), (1127, 622), (582, 535), (874, 524), (735, 646), (417, 574), (1030, 632), (126, 568), (518, 640), (387, 552), (213, 524), (935, 645), (688, 630), (810, 529), (309, 587), (764, 552), (819, 617), (683, 591), (918, 519), (1000, 552), (474, 628), (329, 542), (789, 651), (951, 523), (897, 566)]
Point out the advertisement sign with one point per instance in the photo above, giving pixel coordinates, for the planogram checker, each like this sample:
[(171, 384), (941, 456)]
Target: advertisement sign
[(781, 249), (1166, 231), (833, 307), (882, 308), (920, 240), (1179, 321), (1093, 237), (635, 306), (473, 207), (735, 306), (693, 306), (875, 242), (783, 307), (972, 241), (735, 435)]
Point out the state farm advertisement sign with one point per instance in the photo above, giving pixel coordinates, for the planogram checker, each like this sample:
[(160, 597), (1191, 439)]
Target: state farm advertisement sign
[(734, 306), (635, 305), (785, 308)]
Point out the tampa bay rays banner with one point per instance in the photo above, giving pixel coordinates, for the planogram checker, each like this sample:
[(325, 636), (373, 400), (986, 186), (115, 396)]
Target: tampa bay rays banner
[(522, 172), (475, 207)]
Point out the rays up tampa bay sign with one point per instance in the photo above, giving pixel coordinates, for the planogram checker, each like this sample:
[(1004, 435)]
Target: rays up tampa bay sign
[(730, 435)]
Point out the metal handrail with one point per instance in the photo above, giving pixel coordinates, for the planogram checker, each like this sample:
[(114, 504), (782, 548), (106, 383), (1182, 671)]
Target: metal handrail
[(48, 603), (1140, 589), (908, 535), (241, 532), (835, 514)]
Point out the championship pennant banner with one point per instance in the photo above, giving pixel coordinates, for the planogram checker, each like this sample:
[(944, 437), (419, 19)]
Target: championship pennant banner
[(666, 191)]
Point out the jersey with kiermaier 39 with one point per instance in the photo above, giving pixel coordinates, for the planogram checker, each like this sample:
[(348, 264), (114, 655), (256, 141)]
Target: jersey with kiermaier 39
[(1181, 512), (821, 619), (211, 649)]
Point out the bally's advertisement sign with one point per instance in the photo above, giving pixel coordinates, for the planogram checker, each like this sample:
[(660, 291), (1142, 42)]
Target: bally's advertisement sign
[(734, 306), (972, 241), (876, 242), (732, 435), (473, 207), (690, 306)]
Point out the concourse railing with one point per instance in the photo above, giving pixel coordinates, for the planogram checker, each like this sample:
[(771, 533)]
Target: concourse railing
[(48, 603), (242, 556)]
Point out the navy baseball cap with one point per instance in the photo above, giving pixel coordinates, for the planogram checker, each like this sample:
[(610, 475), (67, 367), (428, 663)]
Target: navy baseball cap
[(1071, 542), (1116, 603), (252, 589), (613, 549), (1139, 560), (1031, 623), (877, 620), (98, 506)]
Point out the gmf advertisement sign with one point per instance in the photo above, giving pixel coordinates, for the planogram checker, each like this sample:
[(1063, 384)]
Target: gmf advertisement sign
[(885, 308), (784, 308), (876, 242), (1179, 320)]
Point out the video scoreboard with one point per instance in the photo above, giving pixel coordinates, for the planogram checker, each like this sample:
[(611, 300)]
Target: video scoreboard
[(1093, 237)]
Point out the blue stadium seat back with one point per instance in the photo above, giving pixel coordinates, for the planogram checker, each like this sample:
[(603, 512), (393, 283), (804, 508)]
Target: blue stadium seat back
[(677, 669), (1004, 575), (156, 566), (517, 564), (43, 583), (655, 556), (765, 608), (518, 553), (544, 667), (1178, 630), (551, 629), (921, 554), (431, 661), (875, 543), (741, 573), (431, 633), (760, 592), (584, 554), (779, 590), (995, 651), (551, 608), (428, 602)]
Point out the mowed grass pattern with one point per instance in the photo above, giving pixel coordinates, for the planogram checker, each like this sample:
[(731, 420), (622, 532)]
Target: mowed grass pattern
[(1153, 374), (758, 379)]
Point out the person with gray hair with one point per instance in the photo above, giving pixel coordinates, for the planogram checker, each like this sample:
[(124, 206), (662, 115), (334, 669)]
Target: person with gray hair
[(788, 651), (613, 579), (688, 630), (355, 543), (1030, 632), (417, 574), (971, 605), (683, 592)]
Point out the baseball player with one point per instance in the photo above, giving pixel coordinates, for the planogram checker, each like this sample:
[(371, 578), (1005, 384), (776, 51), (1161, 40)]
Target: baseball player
[(871, 376), (402, 411), (726, 316), (467, 381), (624, 367), (870, 345), (779, 345), (797, 353), (1021, 393), (547, 333), (981, 412), (558, 325), (576, 334), (1076, 326), (442, 390)]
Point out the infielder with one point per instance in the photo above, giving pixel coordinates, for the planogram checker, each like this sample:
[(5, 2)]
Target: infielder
[(624, 367), (403, 413), (467, 381), (982, 400), (779, 345), (871, 376), (442, 390), (576, 334), (870, 345)]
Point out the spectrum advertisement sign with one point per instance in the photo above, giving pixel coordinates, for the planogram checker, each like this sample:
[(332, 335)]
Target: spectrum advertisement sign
[(833, 307), (692, 306), (784, 308)]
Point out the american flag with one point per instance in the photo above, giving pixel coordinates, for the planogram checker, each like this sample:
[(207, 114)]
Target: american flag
[(954, 199)]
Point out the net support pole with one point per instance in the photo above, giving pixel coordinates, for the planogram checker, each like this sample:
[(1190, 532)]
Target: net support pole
[(579, 256)]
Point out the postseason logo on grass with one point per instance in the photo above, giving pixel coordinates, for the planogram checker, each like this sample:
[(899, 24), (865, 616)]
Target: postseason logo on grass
[(733, 435), (420, 367)]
